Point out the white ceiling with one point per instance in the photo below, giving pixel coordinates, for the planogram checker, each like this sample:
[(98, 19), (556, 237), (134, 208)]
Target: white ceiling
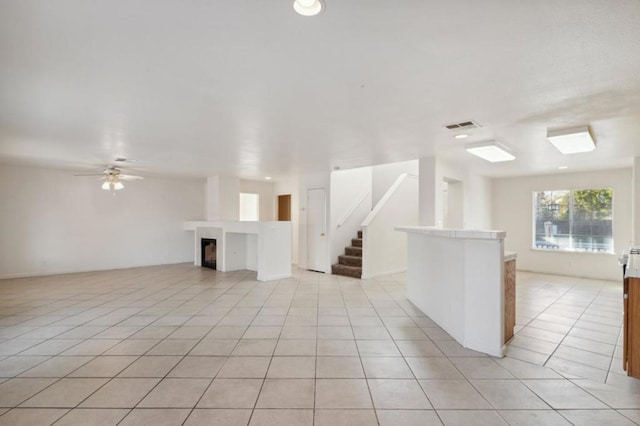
[(250, 88)]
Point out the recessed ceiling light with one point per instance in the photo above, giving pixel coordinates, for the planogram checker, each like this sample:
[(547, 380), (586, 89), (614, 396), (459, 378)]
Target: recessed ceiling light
[(461, 136), (572, 141), (308, 7), (563, 167), (491, 151), (267, 178)]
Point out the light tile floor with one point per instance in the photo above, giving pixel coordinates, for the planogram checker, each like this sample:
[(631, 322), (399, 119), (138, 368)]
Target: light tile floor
[(572, 325), (173, 345)]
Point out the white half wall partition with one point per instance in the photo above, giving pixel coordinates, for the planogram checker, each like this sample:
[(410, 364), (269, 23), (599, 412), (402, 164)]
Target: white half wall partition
[(456, 277), (264, 247), (384, 251)]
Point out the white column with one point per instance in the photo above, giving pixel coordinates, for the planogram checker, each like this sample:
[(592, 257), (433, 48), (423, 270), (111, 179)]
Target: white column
[(427, 191), (635, 205), (222, 198)]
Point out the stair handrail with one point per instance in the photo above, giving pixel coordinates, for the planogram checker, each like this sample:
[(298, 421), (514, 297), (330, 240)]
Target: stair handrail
[(353, 208), (374, 212)]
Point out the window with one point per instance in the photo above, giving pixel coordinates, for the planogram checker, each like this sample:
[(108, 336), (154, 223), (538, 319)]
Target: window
[(249, 207), (576, 220)]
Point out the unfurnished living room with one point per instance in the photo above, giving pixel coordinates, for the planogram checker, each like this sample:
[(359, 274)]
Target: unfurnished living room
[(319, 212)]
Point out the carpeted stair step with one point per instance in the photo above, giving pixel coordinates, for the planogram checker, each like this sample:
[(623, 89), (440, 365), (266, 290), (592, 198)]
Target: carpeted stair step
[(347, 271), (350, 260), (356, 242), (359, 234), (353, 251)]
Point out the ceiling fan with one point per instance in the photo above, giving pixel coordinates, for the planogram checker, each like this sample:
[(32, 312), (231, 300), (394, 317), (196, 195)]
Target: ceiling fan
[(112, 177)]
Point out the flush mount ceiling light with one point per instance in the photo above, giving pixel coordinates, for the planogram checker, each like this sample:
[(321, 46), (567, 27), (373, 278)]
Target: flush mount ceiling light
[(492, 151), (572, 141), (308, 7)]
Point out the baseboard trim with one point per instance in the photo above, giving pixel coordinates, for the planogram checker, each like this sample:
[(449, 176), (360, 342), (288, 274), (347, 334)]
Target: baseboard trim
[(382, 274), (82, 271)]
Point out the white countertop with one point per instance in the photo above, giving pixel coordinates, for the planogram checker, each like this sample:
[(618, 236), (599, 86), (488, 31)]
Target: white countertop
[(633, 267), (454, 233), (510, 255), (243, 227)]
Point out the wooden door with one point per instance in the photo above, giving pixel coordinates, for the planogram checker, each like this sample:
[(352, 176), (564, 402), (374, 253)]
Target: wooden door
[(284, 207)]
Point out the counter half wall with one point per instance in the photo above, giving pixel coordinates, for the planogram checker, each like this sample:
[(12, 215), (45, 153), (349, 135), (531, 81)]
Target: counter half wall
[(456, 277), (264, 247)]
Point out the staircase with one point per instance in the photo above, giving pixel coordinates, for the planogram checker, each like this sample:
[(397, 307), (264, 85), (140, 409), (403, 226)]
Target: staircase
[(350, 264)]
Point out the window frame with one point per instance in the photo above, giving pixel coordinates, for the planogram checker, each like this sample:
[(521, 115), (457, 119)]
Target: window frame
[(571, 207)]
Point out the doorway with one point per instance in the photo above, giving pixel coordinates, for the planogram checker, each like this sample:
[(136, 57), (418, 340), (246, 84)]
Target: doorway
[(284, 208), (249, 207), (316, 230), (453, 199)]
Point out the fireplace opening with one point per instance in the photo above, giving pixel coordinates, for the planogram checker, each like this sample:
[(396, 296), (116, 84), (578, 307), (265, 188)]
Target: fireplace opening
[(208, 250)]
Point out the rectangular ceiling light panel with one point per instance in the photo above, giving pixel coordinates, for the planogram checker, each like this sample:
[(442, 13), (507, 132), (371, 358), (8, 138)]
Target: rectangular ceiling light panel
[(572, 141), (491, 151)]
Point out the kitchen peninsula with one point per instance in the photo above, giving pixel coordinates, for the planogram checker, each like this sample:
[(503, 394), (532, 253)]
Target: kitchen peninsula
[(457, 278)]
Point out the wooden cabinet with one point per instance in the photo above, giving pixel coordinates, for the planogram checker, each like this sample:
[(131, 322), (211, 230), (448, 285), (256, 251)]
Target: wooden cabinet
[(509, 299), (631, 327)]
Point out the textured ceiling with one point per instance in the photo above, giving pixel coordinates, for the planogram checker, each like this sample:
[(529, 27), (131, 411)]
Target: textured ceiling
[(249, 88)]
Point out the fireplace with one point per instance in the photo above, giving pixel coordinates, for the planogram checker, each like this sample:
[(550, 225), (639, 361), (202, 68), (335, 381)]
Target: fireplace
[(208, 252)]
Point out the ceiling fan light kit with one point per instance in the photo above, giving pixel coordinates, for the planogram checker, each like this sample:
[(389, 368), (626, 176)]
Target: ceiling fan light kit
[(112, 177), (115, 185)]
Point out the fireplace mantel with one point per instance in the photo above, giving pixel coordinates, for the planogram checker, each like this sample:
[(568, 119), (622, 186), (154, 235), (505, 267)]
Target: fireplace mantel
[(264, 247)]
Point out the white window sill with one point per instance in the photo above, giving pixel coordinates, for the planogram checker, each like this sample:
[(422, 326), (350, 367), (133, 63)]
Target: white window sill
[(610, 253)]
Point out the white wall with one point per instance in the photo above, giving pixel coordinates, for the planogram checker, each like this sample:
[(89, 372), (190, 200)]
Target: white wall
[(290, 186), (222, 195), (427, 191), (478, 205), (513, 212), (265, 192), (384, 175), (54, 222), (384, 248), (476, 200), (350, 204)]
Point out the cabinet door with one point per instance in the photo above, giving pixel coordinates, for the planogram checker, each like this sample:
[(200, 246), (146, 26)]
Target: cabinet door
[(633, 327)]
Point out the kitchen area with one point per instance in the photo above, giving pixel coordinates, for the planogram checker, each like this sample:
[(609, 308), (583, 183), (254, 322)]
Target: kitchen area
[(465, 281)]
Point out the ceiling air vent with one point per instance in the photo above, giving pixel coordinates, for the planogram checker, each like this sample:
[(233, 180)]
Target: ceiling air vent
[(464, 125)]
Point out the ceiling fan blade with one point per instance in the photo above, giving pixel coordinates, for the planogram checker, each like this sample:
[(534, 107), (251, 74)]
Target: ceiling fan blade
[(130, 177), (90, 174)]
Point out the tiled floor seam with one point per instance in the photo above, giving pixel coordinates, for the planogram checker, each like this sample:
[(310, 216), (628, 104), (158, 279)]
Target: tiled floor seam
[(255, 404), (171, 369), (403, 358), (569, 331)]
